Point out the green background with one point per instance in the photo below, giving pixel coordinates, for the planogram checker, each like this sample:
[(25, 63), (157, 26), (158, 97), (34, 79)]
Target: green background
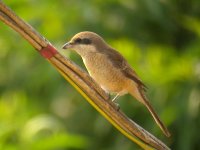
[(39, 110)]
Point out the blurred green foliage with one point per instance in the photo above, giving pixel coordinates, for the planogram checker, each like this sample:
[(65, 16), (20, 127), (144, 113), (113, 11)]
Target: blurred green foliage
[(160, 38)]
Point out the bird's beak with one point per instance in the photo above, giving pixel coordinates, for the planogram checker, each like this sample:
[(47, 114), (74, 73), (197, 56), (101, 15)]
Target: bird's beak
[(67, 45)]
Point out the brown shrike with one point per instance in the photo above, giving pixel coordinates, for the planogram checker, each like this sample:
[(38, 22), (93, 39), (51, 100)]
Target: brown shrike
[(110, 69)]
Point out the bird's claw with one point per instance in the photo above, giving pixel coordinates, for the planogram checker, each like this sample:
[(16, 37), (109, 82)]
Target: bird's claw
[(117, 107)]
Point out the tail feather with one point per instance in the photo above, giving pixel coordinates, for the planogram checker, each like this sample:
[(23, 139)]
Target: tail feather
[(157, 119), (140, 96)]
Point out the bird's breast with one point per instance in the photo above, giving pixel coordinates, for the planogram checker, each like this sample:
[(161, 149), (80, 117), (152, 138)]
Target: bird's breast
[(105, 73)]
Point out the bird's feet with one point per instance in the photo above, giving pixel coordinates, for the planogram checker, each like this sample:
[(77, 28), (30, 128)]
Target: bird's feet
[(116, 105)]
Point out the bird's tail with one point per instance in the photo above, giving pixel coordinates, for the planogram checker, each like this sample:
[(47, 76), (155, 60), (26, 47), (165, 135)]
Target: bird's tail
[(140, 96)]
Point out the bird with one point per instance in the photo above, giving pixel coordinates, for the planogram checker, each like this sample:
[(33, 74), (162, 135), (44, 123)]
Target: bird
[(111, 70)]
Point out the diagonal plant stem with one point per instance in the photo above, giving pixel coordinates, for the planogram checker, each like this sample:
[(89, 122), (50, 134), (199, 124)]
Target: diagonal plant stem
[(83, 83)]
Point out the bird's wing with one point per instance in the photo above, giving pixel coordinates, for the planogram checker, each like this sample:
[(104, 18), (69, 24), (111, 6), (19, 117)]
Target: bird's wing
[(119, 62), (130, 73)]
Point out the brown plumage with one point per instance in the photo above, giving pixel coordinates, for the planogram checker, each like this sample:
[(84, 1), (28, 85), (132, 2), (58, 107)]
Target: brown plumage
[(110, 69)]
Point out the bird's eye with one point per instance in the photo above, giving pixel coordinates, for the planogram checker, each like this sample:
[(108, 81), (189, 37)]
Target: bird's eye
[(86, 41), (78, 40)]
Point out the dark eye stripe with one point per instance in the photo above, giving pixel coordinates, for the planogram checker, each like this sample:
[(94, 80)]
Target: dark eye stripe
[(86, 41), (78, 40), (83, 41)]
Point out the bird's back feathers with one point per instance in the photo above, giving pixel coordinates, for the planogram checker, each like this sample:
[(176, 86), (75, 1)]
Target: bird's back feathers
[(119, 62)]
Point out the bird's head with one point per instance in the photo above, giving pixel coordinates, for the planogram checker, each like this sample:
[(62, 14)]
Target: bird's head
[(86, 42)]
